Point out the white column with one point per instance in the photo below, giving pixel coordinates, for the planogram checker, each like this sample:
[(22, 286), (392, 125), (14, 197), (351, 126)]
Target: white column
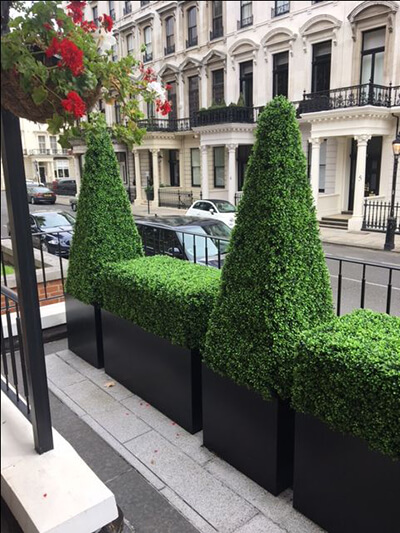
[(340, 173), (138, 177), (315, 152), (156, 176), (204, 87), (204, 171), (232, 172), (355, 222), (181, 96)]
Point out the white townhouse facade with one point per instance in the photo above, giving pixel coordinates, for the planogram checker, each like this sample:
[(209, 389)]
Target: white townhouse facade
[(337, 61)]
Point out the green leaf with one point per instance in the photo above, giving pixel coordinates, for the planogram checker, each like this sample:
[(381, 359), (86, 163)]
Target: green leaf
[(55, 124), (39, 95)]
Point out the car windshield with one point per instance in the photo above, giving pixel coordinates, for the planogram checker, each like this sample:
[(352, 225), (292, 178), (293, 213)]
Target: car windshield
[(224, 207), (52, 220), (199, 247)]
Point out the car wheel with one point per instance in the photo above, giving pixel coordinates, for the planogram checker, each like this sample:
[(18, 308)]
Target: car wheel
[(33, 200)]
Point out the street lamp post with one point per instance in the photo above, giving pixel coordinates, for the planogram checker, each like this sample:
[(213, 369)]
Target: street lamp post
[(391, 222)]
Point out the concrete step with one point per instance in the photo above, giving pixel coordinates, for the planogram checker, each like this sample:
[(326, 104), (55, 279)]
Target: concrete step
[(335, 220), (332, 226)]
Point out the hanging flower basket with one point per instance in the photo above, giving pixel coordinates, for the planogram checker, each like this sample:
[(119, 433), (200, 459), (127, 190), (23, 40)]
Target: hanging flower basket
[(55, 66), (21, 104)]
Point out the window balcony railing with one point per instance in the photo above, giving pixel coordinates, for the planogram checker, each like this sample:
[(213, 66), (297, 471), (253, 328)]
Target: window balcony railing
[(147, 57), (224, 115), (192, 41), (48, 151), (243, 23), (354, 96), (127, 9), (169, 49), (165, 124), (216, 33), (280, 9)]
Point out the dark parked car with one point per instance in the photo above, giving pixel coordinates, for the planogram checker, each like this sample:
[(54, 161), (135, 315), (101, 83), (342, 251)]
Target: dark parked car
[(203, 241), (65, 187), (40, 195), (52, 230)]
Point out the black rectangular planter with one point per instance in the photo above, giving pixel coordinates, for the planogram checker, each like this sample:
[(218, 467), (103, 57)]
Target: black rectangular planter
[(341, 484), (84, 331), (167, 376), (253, 435)]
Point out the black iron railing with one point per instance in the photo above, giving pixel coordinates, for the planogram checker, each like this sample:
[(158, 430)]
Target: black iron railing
[(216, 33), (243, 23), (225, 114), (238, 197), (178, 198), (169, 49), (354, 96), (147, 57), (165, 124), (192, 41), (376, 215), (19, 376), (47, 151), (376, 281), (47, 274), (281, 8)]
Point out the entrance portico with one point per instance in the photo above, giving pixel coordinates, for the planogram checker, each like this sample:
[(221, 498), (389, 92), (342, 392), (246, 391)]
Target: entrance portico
[(349, 187)]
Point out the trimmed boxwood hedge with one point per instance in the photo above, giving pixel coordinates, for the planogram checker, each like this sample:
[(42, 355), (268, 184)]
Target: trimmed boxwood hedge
[(347, 374), (105, 230), (275, 283), (165, 296)]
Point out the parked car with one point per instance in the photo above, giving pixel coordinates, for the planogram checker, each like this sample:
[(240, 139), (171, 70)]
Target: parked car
[(40, 195), (52, 230), (217, 209), (203, 241), (65, 186), (73, 202)]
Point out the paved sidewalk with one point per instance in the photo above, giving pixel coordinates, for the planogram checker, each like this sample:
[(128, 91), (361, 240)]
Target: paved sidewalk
[(210, 494)]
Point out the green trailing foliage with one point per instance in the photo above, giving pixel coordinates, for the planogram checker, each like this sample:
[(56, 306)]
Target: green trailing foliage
[(105, 230), (348, 375), (165, 296), (275, 283)]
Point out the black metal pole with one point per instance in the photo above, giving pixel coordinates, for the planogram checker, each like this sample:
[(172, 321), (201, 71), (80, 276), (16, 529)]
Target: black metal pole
[(18, 213), (391, 222)]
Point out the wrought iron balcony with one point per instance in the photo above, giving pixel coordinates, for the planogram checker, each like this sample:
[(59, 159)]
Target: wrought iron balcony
[(169, 49), (48, 151), (127, 9), (280, 9), (354, 96), (147, 57), (225, 115), (165, 124), (193, 41), (243, 23), (216, 33)]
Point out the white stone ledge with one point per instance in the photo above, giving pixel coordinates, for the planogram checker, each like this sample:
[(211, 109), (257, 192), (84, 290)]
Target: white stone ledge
[(51, 315), (55, 492)]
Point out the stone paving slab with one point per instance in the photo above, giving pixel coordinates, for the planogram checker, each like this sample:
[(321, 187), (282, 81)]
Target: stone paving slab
[(192, 445), (212, 495)]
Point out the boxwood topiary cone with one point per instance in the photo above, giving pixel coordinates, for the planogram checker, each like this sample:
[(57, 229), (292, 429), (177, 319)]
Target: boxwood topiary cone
[(275, 283), (105, 231)]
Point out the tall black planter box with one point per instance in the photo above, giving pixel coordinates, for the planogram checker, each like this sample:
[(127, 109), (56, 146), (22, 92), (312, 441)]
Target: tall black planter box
[(84, 331), (167, 376), (253, 435), (341, 484)]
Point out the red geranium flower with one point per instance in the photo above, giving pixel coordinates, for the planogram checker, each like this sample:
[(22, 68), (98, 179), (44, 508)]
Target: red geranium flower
[(72, 56), (74, 104), (168, 87), (163, 107), (75, 11), (47, 26), (107, 22), (88, 26), (54, 48)]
